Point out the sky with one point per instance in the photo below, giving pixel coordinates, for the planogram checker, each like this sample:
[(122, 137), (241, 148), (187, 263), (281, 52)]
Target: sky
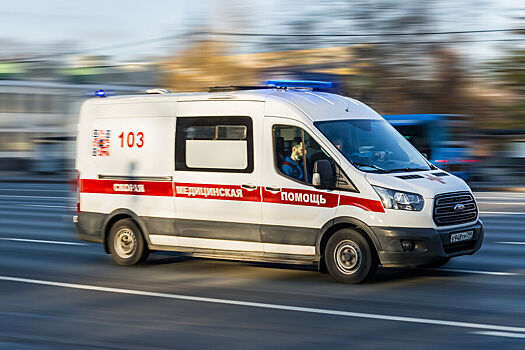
[(43, 26)]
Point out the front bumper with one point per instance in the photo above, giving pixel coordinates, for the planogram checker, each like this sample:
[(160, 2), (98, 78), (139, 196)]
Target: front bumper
[(430, 245)]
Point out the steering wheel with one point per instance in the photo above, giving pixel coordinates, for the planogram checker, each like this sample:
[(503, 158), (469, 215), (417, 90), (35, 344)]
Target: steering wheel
[(381, 156)]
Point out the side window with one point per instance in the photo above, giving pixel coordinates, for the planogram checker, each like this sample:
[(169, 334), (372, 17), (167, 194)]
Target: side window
[(296, 152), (217, 144)]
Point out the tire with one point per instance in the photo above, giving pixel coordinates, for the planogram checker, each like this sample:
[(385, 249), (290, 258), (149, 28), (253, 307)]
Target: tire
[(126, 243), (350, 257), (436, 264)]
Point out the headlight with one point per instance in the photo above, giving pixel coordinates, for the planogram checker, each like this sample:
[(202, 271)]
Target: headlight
[(393, 199)]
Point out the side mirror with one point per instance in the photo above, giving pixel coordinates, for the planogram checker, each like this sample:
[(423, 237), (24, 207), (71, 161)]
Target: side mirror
[(323, 176)]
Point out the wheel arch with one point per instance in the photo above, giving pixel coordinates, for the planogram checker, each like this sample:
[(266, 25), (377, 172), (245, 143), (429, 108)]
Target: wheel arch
[(118, 215), (334, 225)]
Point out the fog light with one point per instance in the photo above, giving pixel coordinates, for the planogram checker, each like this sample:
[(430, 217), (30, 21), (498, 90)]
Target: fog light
[(407, 245)]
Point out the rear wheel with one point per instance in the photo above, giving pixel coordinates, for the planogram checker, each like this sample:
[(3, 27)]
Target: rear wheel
[(350, 257), (126, 243)]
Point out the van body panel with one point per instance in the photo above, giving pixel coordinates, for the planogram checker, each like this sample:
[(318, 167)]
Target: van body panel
[(235, 204), (202, 173), (136, 148)]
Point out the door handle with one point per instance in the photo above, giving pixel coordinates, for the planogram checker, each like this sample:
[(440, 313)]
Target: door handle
[(272, 189), (249, 187)]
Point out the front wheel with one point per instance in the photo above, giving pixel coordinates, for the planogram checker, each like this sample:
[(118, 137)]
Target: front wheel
[(126, 243), (350, 257)]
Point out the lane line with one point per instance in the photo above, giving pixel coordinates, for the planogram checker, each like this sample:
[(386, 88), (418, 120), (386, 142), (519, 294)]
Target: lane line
[(32, 190), (511, 197), (497, 200), (45, 206), (503, 203), (502, 212), (501, 334), (493, 273), (516, 243), (270, 306), (40, 197), (40, 241)]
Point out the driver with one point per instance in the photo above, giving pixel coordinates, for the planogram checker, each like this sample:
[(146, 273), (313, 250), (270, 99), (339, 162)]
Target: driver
[(293, 164)]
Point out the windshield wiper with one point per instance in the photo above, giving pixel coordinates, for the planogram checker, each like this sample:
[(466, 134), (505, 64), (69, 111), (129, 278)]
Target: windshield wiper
[(370, 166), (406, 169)]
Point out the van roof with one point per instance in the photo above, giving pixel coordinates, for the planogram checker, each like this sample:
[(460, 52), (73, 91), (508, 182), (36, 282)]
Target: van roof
[(317, 106)]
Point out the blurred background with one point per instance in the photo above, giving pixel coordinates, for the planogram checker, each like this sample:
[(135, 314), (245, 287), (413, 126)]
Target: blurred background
[(449, 75)]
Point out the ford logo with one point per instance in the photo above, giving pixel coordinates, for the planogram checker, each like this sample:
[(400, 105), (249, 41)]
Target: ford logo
[(458, 208)]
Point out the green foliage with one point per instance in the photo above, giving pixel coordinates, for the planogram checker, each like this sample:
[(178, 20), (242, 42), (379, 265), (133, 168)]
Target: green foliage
[(510, 69)]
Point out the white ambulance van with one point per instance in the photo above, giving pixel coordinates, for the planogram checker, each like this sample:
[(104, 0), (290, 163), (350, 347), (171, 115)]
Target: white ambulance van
[(284, 174)]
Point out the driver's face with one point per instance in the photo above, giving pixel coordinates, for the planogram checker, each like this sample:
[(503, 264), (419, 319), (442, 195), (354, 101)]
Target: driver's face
[(299, 150)]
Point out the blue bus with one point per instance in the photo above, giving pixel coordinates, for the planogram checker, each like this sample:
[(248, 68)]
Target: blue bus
[(440, 136)]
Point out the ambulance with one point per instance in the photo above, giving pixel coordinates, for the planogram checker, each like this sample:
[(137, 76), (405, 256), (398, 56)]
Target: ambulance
[(281, 173)]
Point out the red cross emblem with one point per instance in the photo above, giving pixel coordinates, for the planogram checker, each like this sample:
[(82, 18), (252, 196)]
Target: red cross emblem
[(434, 178)]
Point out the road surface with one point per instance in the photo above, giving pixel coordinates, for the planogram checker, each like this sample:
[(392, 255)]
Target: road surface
[(60, 293)]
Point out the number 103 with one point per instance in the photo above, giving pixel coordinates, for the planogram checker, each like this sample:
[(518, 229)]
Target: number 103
[(131, 140)]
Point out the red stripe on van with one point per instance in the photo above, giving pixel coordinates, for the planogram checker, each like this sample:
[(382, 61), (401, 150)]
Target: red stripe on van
[(288, 196), (320, 199), (224, 192), (363, 203), (295, 196), (143, 188)]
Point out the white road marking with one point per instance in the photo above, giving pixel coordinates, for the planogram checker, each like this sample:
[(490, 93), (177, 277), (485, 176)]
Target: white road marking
[(499, 194), (40, 241), (32, 190), (501, 212), (501, 334), (494, 273), (503, 203), (39, 197), (489, 327), (516, 243), (489, 200), (507, 196), (46, 206)]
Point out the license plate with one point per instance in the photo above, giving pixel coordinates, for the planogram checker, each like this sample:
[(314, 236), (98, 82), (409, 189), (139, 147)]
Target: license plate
[(461, 236)]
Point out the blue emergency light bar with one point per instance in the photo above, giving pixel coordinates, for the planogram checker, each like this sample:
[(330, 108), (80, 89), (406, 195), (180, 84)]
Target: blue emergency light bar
[(100, 93), (300, 84)]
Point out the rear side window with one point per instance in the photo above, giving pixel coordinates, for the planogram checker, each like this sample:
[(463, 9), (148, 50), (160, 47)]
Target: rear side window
[(220, 144)]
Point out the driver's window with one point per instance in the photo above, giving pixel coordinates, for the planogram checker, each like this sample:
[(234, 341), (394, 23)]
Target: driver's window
[(296, 152)]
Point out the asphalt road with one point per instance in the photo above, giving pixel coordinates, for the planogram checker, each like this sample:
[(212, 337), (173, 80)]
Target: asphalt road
[(59, 293)]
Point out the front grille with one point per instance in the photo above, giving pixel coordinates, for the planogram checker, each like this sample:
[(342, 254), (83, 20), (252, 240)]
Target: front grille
[(445, 214)]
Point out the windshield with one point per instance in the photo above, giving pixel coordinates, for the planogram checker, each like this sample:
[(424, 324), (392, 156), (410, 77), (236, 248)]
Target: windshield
[(373, 145)]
